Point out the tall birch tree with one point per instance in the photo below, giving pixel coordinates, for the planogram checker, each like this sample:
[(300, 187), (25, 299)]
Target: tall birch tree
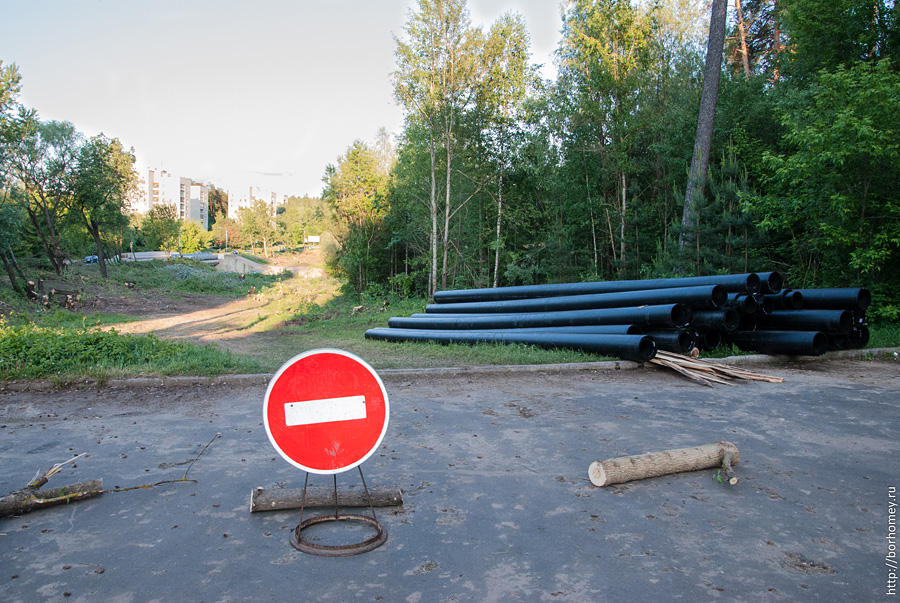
[(503, 92), (604, 57), (437, 68)]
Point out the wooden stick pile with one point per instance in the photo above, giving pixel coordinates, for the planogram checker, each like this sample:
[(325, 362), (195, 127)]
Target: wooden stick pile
[(708, 373)]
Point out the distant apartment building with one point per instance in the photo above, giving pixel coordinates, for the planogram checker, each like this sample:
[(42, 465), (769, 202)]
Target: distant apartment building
[(239, 200), (198, 205), (191, 201)]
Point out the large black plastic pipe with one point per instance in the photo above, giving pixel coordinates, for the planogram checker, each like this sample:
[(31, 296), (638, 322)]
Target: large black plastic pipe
[(744, 283), (792, 299), (629, 347), (583, 329), (703, 296), (789, 299), (663, 317), (459, 314), (723, 319), (792, 343), (829, 321), (770, 282), (765, 305), (679, 341), (742, 302), (847, 298)]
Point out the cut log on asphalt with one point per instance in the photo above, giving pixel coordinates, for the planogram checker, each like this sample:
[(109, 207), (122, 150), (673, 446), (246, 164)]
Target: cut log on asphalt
[(30, 499), (653, 464), (290, 498)]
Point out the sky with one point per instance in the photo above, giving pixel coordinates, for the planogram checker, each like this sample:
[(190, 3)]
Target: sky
[(262, 93)]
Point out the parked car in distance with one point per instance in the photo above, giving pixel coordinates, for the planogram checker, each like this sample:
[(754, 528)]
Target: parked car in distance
[(90, 259)]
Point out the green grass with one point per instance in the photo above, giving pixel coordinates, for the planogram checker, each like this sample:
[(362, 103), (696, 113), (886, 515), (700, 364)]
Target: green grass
[(189, 276), (342, 322), (66, 354), (884, 335)]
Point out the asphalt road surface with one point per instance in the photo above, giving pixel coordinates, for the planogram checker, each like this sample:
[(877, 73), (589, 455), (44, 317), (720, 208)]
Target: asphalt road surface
[(497, 503)]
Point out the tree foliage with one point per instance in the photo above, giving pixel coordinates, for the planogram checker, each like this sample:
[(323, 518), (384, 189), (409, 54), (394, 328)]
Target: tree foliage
[(193, 238), (160, 228), (218, 203), (41, 158), (833, 196), (356, 189), (102, 184), (258, 224)]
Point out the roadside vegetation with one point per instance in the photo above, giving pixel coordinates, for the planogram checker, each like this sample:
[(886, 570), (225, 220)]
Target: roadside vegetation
[(44, 341), (499, 177), (72, 345), (64, 354)]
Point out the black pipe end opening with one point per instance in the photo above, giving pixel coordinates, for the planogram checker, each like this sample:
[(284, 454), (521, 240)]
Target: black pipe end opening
[(838, 341), (754, 283), (747, 304), (731, 319), (765, 305), (686, 341), (646, 349), (681, 315), (774, 282), (819, 343), (793, 299), (864, 299), (718, 296)]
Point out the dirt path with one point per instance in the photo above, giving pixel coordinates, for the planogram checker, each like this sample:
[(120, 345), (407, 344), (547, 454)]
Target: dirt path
[(205, 319), (201, 319)]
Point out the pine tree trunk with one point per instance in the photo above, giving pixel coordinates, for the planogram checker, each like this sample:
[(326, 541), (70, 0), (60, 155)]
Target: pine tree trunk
[(742, 30), (705, 121)]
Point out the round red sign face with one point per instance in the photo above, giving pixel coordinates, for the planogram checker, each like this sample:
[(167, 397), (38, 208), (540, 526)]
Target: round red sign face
[(326, 411)]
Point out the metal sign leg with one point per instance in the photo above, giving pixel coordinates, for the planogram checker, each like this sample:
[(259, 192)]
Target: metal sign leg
[(343, 550)]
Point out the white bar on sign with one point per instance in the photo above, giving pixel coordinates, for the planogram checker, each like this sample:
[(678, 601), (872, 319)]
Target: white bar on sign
[(328, 410)]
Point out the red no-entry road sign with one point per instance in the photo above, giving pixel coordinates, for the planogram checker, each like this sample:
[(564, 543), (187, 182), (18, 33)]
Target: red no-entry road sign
[(326, 411)]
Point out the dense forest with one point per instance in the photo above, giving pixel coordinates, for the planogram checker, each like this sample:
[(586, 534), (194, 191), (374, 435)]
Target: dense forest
[(500, 177)]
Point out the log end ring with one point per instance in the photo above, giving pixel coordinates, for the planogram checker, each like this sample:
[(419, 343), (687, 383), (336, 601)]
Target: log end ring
[(597, 474)]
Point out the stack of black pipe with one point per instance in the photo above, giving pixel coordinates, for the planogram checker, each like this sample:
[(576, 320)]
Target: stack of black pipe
[(632, 319)]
